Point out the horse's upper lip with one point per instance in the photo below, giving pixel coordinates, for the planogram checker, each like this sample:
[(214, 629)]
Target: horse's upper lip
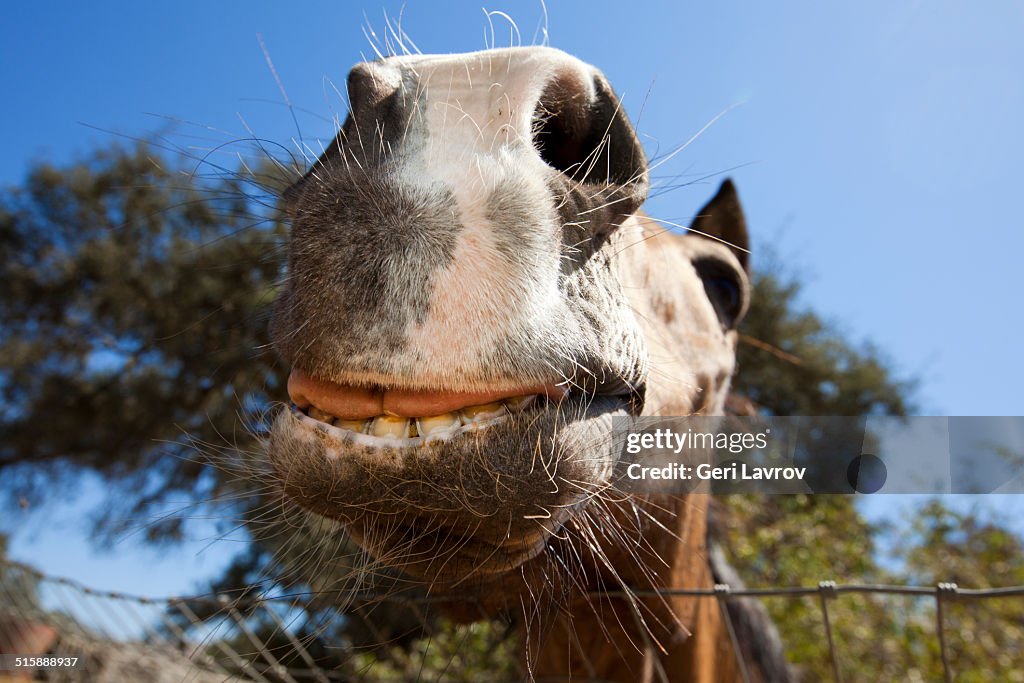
[(359, 403)]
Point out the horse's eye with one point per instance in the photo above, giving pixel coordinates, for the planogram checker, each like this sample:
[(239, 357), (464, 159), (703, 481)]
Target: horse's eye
[(725, 292), (724, 288)]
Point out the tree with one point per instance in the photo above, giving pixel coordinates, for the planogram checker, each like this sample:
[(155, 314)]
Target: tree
[(792, 363), (132, 329), (965, 548)]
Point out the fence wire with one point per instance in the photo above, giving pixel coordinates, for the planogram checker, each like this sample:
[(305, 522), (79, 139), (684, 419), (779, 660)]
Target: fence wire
[(202, 639)]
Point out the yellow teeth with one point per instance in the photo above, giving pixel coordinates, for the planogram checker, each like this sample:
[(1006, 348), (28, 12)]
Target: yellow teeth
[(482, 412), (431, 427), (437, 423), (520, 403), (358, 426), (386, 425), (320, 415)]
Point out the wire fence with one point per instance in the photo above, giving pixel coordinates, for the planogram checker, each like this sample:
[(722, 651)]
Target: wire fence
[(71, 632)]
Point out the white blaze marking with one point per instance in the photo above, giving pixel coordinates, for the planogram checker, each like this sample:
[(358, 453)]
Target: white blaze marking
[(478, 112)]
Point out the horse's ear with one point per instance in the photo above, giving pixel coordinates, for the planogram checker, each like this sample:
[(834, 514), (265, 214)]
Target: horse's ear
[(722, 219)]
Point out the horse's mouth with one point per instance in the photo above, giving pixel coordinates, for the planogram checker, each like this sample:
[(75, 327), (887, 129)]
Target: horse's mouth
[(391, 431), (473, 491), (379, 418)]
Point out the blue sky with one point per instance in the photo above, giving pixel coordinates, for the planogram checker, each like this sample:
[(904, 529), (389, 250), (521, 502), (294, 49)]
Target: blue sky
[(876, 145)]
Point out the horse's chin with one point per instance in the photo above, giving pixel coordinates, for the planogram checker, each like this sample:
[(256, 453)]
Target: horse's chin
[(467, 509), (445, 559)]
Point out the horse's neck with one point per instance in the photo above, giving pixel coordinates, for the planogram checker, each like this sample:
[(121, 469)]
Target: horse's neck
[(614, 636), (606, 632)]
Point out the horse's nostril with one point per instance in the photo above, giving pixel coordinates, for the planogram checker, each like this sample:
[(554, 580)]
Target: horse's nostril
[(369, 84), (561, 126), (580, 130)]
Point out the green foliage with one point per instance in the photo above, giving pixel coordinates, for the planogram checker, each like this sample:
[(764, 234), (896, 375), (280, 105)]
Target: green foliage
[(800, 540), (964, 548)]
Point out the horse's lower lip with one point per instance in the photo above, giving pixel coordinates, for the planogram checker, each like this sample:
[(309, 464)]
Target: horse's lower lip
[(475, 506), (359, 403)]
